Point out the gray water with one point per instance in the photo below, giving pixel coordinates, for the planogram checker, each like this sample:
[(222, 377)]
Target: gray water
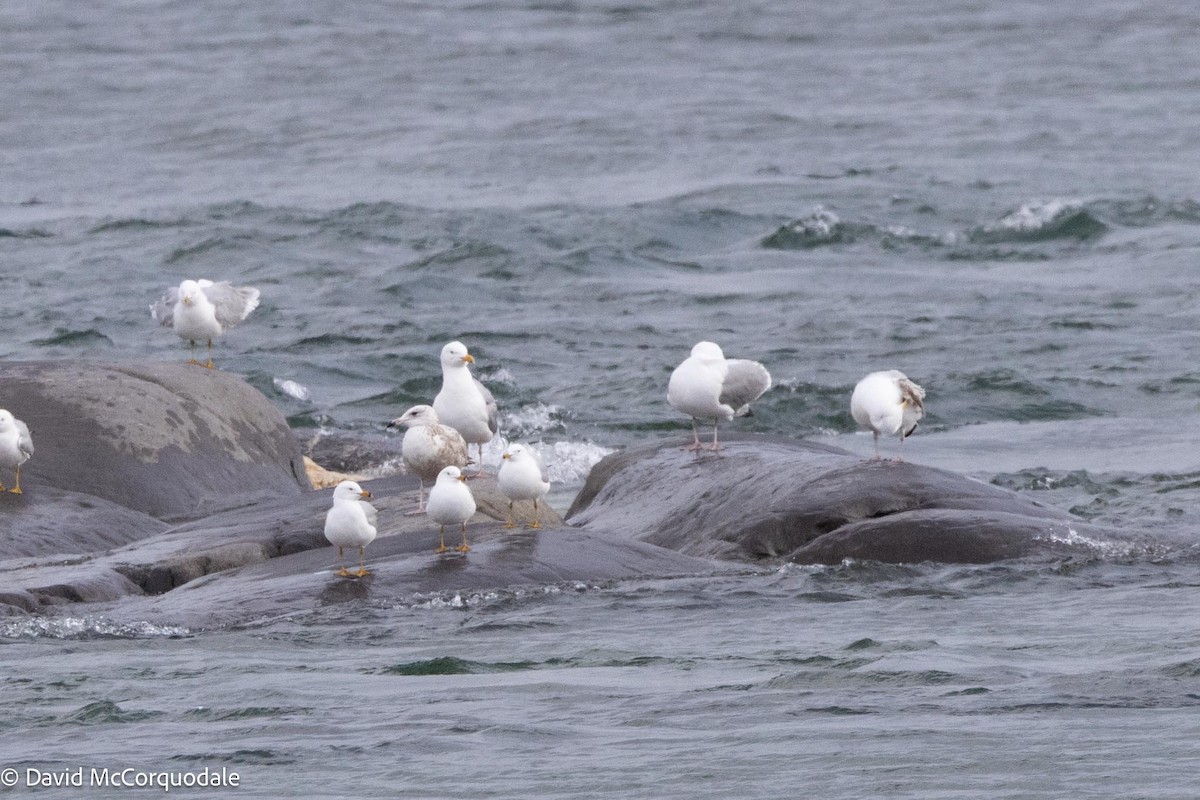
[(999, 199)]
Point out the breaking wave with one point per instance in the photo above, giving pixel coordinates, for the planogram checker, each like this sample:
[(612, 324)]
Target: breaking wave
[(85, 628)]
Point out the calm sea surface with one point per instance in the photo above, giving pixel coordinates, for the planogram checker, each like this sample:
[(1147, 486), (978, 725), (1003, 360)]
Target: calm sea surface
[(999, 199)]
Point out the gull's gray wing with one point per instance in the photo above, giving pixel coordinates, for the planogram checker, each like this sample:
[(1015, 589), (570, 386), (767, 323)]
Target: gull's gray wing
[(372, 514), (24, 440), (537, 459), (231, 304), (744, 383), (164, 309), (493, 413)]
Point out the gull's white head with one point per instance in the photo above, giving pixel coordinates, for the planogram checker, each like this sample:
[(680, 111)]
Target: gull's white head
[(708, 352), (7, 420), (189, 291), (415, 417), (349, 490), (515, 452), (450, 475), (455, 354)]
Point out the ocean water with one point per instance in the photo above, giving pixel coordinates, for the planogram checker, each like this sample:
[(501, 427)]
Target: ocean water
[(998, 199)]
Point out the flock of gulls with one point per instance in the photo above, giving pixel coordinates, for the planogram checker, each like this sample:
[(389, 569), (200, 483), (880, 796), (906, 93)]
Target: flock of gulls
[(705, 386)]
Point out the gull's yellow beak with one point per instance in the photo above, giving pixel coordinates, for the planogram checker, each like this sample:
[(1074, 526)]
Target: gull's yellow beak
[(462, 478), (187, 299), (470, 359), (506, 456), (365, 493)]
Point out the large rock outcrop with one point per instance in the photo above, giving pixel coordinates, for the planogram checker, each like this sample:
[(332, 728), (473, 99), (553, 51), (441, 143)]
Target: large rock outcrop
[(176, 494), (272, 559), (813, 503), (121, 449)]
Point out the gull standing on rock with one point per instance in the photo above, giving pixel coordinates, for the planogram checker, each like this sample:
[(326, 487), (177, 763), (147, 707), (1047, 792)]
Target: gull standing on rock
[(708, 386), (450, 502), (16, 446), (888, 403), (428, 447), (522, 476), (351, 523), (203, 310), (464, 403)]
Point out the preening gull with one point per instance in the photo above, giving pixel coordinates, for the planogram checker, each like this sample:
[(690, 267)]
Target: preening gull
[(709, 386), (351, 523), (888, 403), (428, 447), (202, 310), (523, 476), (450, 502), (16, 446), (464, 403)]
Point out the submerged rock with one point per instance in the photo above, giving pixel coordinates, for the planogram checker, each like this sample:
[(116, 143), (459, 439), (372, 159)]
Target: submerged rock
[(812, 503)]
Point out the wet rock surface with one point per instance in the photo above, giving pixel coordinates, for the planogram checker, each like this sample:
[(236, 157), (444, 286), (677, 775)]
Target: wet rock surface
[(813, 503), (177, 494)]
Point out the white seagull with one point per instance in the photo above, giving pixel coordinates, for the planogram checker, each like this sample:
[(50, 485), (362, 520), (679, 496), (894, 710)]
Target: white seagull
[(428, 447), (16, 446), (351, 523), (450, 502), (522, 476), (709, 386), (202, 310), (464, 403), (888, 403)]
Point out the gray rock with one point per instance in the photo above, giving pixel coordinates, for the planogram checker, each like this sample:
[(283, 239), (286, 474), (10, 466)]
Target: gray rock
[(351, 452), (171, 441), (813, 503), (176, 493), (272, 558), (47, 520)]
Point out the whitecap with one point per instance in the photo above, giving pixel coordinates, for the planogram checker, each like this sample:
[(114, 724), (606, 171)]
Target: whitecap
[(86, 628), (533, 419), (568, 462), (292, 389), (1036, 216)]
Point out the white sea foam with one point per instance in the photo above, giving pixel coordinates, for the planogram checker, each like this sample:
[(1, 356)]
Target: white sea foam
[(499, 375), (1105, 548), (85, 628), (292, 389), (532, 420), (471, 600), (1036, 216), (820, 225), (568, 462)]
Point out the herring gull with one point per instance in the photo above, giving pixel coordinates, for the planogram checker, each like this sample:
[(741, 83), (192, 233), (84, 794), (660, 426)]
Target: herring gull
[(522, 476), (450, 502), (709, 386), (351, 523), (464, 403), (202, 310), (16, 446), (428, 447), (888, 403)]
